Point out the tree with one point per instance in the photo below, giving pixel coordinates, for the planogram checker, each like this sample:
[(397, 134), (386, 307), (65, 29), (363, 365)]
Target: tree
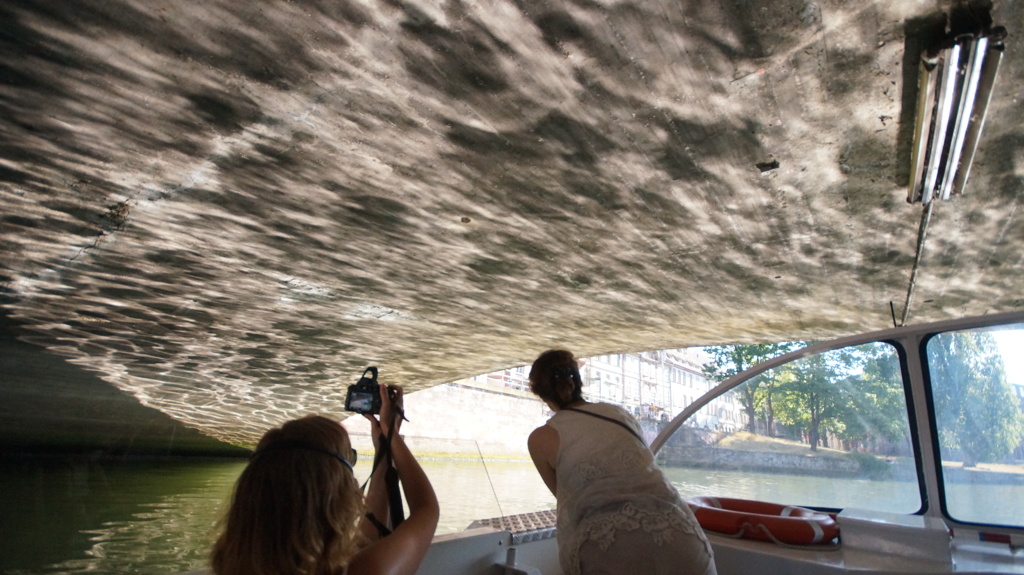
[(877, 412), (813, 392), (976, 411), (755, 395), (854, 393)]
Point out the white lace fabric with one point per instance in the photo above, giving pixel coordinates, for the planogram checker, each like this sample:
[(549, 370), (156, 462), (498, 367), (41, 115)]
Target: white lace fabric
[(608, 483)]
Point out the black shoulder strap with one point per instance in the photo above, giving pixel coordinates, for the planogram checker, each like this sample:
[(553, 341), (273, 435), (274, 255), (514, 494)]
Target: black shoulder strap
[(396, 511), (615, 421), (394, 497)]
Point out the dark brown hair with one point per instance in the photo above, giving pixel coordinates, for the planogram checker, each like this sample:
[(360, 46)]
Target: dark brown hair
[(555, 377), (295, 508)]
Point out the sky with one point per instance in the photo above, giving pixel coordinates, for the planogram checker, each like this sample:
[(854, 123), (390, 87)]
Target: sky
[(1011, 343)]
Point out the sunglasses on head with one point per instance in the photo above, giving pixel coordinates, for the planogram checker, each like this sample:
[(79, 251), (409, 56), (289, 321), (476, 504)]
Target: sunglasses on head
[(295, 444)]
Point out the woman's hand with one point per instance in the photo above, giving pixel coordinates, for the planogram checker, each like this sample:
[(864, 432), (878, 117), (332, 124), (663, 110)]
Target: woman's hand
[(391, 413), (401, 552)]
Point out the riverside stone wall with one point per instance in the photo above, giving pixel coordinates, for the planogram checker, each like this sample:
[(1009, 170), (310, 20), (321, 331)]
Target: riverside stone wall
[(691, 447), (708, 456)]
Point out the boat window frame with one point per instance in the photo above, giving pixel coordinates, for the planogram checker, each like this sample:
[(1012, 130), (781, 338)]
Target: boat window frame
[(811, 350), (911, 345), (933, 421)]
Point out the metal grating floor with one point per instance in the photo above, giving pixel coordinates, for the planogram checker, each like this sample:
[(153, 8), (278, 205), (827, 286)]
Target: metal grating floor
[(524, 527)]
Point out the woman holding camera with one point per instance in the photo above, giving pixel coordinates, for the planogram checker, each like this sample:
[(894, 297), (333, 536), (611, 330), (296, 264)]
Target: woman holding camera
[(617, 513), (298, 509)]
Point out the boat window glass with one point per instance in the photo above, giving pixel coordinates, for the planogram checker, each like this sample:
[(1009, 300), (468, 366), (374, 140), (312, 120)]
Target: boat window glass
[(827, 431), (977, 379)]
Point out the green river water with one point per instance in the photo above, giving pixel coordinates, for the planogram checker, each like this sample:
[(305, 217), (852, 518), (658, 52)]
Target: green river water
[(76, 516)]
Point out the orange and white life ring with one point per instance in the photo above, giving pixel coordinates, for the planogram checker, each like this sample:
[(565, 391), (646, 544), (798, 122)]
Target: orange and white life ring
[(764, 521)]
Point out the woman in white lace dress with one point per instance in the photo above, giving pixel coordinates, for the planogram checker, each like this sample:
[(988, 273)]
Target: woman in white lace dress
[(617, 513)]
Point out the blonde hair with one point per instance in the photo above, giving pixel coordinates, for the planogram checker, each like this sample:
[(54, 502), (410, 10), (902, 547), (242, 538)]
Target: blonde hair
[(295, 510)]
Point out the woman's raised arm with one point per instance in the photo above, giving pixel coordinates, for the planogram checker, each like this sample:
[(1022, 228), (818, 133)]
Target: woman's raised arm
[(401, 552)]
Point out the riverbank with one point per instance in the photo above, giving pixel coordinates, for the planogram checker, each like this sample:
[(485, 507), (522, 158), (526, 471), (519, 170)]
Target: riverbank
[(470, 421)]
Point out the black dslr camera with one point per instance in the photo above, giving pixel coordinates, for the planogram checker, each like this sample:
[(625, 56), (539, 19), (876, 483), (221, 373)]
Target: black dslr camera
[(364, 396)]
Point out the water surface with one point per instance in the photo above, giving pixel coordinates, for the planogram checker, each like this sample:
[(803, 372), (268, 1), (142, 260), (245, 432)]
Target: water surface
[(75, 516)]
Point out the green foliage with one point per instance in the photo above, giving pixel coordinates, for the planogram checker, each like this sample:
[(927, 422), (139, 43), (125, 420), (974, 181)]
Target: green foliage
[(854, 393), (976, 410), (756, 395), (877, 410), (857, 394), (814, 392)]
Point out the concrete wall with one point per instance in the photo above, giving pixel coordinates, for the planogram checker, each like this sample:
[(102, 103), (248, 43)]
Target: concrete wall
[(763, 461)]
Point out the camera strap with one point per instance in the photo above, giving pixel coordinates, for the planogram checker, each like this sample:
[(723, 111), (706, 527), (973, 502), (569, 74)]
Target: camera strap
[(396, 510), (395, 506)]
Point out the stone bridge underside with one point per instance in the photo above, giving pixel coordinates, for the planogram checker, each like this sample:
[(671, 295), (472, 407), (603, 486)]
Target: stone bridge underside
[(221, 212)]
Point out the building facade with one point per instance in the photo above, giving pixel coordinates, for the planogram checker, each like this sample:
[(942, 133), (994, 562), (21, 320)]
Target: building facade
[(652, 385)]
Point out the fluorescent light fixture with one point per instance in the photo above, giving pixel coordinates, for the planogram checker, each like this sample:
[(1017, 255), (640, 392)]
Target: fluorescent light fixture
[(954, 90)]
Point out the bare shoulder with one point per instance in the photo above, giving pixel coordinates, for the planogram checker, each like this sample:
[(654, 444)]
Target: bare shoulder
[(544, 433), (543, 446), (544, 439)]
